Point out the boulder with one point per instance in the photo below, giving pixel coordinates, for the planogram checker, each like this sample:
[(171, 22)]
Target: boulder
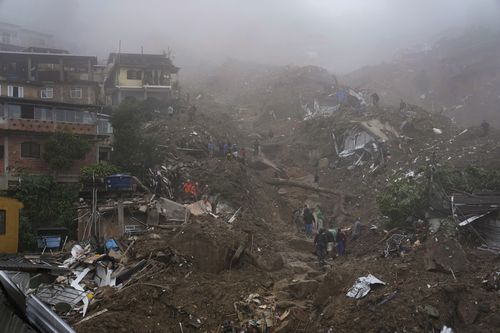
[(445, 254), (304, 288)]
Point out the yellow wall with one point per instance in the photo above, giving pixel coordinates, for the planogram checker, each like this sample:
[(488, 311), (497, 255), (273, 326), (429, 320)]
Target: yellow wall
[(123, 81), (9, 241)]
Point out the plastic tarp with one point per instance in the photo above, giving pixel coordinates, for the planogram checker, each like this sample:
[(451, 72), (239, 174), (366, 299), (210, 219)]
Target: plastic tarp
[(363, 286)]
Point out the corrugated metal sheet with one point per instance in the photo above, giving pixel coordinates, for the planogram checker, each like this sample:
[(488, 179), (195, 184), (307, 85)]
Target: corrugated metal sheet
[(480, 210), (38, 314), (44, 318), (9, 321)]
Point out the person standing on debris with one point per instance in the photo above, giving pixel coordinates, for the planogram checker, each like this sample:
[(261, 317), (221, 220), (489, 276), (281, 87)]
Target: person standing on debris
[(195, 191), (225, 149), (170, 111), (256, 147), (485, 127), (341, 242), (211, 148), (321, 242), (356, 232), (375, 99), (402, 106), (234, 150), (308, 221), (158, 182), (192, 112), (318, 215), (187, 188), (205, 193), (332, 235)]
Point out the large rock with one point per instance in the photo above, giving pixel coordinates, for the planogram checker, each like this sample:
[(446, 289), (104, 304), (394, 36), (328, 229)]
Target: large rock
[(304, 288), (334, 283), (272, 263), (445, 254)]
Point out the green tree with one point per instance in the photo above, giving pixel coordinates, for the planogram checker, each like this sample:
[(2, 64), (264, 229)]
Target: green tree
[(133, 150), (97, 170), (46, 204), (403, 197), (63, 149)]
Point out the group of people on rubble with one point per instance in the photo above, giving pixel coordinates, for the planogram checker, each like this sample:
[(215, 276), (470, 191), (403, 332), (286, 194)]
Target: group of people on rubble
[(230, 151), (332, 240)]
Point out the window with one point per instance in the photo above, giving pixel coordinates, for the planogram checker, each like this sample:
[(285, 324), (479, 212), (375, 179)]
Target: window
[(3, 222), (104, 154), (30, 150), (6, 37), (104, 127), (1, 152), (132, 74), (14, 111), (70, 116), (60, 115), (76, 93), (88, 117), (46, 93), (27, 112), (43, 113), (15, 91)]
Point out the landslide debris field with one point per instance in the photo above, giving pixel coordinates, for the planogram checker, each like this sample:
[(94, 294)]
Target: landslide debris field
[(261, 268)]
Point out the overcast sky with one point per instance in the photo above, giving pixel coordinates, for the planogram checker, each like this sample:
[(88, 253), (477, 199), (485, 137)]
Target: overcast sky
[(341, 35)]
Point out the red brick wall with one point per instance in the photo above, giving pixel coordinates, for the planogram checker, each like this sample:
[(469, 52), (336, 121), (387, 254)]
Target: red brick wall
[(38, 166)]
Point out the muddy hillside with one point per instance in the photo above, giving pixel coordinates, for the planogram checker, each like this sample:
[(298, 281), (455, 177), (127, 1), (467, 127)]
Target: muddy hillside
[(250, 266)]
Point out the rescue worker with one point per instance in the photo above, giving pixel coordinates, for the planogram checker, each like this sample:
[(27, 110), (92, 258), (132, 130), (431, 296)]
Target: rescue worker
[(332, 234), (187, 189), (341, 242), (356, 231), (321, 242), (318, 214)]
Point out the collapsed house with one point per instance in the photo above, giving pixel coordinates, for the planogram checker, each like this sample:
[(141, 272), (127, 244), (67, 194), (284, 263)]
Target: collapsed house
[(479, 212), (119, 209), (363, 142)]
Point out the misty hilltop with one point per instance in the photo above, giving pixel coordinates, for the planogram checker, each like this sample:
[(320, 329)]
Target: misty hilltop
[(459, 77)]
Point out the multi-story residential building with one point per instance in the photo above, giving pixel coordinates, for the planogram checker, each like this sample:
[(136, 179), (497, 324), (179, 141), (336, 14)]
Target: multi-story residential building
[(139, 77), (11, 34), (41, 93)]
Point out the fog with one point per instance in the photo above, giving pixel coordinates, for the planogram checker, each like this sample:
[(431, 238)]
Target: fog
[(340, 35)]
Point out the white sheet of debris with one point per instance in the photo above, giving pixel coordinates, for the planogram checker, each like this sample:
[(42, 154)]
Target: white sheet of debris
[(363, 286)]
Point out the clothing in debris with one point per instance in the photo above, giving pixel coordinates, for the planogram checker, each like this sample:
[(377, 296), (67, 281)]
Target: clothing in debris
[(170, 111), (341, 242)]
